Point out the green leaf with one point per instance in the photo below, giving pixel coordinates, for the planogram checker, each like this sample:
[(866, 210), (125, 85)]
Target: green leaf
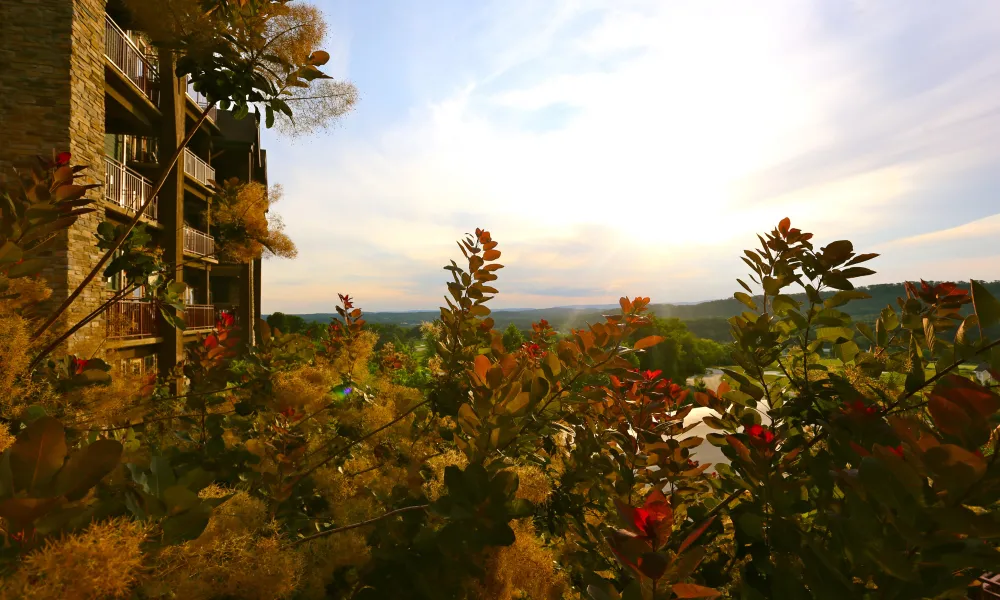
[(162, 476), (691, 590), (847, 351), (746, 299), (987, 307), (87, 467), (783, 303), (713, 422), (10, 252), (186, 526), (179, 498), (916, 377), (605, 592), (853, 272), (843, 297), (889, 318), (837, 252), (37, 454), (837, 335), (479, 310)]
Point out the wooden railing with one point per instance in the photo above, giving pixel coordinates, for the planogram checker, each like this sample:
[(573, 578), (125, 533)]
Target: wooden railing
[(197, 168), (126, 188), (124, 55), (202, 101), (199, 316), (131, 318), (198, 243)]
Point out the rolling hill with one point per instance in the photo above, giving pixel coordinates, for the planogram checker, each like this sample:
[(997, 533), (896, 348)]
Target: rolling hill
[(704, 319)]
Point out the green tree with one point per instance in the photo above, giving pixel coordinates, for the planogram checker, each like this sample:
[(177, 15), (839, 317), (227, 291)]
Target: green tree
[(513, 338), (681, 354)]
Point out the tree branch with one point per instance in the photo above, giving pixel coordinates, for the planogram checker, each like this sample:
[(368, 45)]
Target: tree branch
[(361, 524)]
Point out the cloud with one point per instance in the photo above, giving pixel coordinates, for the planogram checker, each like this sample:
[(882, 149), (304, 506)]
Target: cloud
[(637, 147)]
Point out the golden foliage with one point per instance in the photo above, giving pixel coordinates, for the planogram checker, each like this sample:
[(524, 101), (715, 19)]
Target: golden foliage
[(533, 485), (111, 404), (525, 569), (435, 486), (104, 561), (352, 362), (6, 438), (240, 554), (323, 556), (15, 355), (318, 107), (246, 230), (303, 389)]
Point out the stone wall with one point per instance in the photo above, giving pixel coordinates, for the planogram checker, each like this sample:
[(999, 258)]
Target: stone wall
[(52, 98), (87, 147)]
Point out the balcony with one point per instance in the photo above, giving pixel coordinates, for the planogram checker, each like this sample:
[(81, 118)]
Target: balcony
[(198, 169), (141, 149), (202, 101), (199, 317), (127, 58), (198, 243), (131, 318), (126, 188)]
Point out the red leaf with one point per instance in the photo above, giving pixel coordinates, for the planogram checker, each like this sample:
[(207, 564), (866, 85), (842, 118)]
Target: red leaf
[(648, 341), (694, 535)]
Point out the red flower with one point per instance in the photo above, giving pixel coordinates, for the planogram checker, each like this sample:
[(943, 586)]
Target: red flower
[(898, 450), (63, 158), (858, 409), (79, 364), (288, 413), (532, 350), (225, 321), (651, 375), (760, 434), (652, 517)]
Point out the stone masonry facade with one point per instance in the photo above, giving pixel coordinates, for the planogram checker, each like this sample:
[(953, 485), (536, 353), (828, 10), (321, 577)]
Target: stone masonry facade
[(52, 98)]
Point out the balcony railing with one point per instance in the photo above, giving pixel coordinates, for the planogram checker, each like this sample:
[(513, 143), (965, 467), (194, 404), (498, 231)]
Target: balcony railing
[(124, 54), (990, 588), (199, 316), (198, 243), (131, 318), (126, 188), (197, 168), (202, 101)]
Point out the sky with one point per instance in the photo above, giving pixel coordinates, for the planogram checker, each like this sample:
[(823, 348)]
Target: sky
[(631, 147)]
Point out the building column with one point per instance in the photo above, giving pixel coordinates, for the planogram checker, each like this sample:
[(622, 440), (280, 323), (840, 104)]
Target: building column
[(171, 198)]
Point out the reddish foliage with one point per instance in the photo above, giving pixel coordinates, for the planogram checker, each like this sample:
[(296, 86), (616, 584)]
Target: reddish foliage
[(79, 364), (760, 434)]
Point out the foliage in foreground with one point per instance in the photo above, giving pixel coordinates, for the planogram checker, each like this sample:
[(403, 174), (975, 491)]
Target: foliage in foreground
[(556, 468)]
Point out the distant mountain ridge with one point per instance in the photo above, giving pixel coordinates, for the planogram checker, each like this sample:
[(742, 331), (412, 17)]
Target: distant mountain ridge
[(705, 319)]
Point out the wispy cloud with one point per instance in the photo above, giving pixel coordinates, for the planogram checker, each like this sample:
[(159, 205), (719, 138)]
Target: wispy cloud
[(627, 146)]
